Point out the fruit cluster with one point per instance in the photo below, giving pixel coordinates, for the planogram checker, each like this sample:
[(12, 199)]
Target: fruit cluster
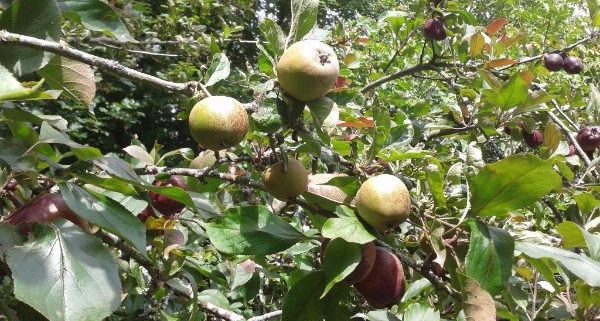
[(555, 62)]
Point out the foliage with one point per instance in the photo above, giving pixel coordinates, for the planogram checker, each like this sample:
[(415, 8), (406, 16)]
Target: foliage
[(497, 230)]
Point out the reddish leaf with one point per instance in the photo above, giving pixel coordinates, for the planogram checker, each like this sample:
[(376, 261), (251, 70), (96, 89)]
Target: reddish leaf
[(360, 122), (499, 63), (496, 25)]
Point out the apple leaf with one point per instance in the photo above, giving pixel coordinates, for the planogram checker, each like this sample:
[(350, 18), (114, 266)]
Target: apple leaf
[(251, 230), (95, 15), (75, 79), (421, 312), (574, 235), (106, 213), (274, 37), (512, 183), (36, 18), (304, 18), (301, 303), (340, 260), (582, 266), (479, 304), (346, 226), (490, 256), (219, 69), (65, 274)]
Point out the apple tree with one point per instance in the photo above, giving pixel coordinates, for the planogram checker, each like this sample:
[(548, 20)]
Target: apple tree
[(299, 160)]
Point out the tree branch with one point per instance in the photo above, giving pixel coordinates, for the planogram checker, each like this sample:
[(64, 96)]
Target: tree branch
[(590, 37), (107, 65), (266, 316), (449, 131), (409, 71)]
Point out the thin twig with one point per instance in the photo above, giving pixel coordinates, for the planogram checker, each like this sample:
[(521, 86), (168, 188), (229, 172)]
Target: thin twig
[(397, 75), (590, 37), (107, 65), (141, 52), (266, 316)]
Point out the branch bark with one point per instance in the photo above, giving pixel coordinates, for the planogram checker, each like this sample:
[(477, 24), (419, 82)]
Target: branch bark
[(590, 37), (402, 73), (107, 65)]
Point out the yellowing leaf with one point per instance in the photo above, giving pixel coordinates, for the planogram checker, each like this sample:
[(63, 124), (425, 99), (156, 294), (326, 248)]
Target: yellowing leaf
[(476, 45)]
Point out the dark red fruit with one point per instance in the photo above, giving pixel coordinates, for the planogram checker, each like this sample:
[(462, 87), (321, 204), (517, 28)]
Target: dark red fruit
[(168, 206), (573, 65), (363, 269), (145, 214), (384, 286), (589, 138), (434, 29), (45, 208), (533, 139), (553, 62), (507, 130)]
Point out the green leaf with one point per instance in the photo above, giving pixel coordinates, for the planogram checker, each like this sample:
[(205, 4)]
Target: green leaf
[(340, 259), (35, 18), (552, 137), (25, 116), (421, 312), (50, 135), (596, 21), (325, 113), (415, 288), (116, 167), (75, 79), (251, 230), (513, 93), (586, 202), (106, 213), (11, 89), (301, 303), (347, 227), (515, 182), (95, 15), (573, 236), (396, 20), (304, 18), (65, 274), (435, 179), (582, 266), (9, 237), (490, 256), (219, 69), (274, 37)]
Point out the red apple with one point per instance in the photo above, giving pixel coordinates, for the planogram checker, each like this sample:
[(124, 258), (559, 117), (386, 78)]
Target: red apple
[(168, 206), (573, 65), (553, 62), (45, 209), (384, 286), (588, 138), (533, 139), (434, 29)]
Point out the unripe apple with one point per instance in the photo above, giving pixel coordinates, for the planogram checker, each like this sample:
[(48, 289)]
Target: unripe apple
[(285, 185), (307, 70), (168, 206), (45, 208), (367, 261), (533, 139), (434, 29), (553, 62), (588, 138), (218, 122), (573, 65), (383, 200), (384, 286)]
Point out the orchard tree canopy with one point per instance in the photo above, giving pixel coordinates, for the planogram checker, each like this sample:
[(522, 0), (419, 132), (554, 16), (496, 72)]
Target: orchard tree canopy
[(299, 160)]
